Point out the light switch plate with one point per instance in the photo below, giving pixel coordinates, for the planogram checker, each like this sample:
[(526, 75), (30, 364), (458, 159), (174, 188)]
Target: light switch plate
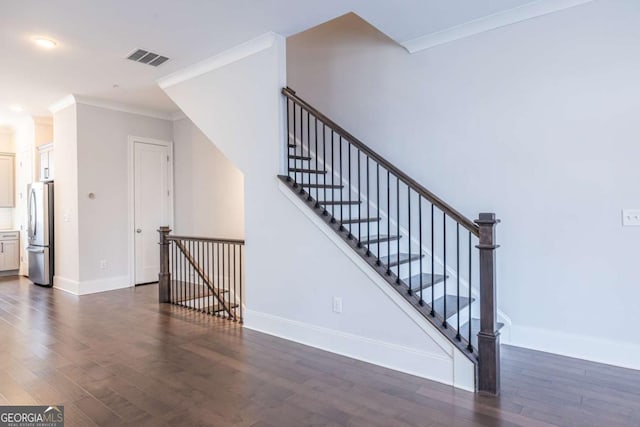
[(337, 305), (631, 217)]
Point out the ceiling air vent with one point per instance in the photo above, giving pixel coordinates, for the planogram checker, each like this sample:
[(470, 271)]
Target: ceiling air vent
[(146, 57)]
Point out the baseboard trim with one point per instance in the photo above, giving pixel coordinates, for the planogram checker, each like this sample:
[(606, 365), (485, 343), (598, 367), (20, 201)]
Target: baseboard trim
[(388, 355), (86, 287), (583, 347)]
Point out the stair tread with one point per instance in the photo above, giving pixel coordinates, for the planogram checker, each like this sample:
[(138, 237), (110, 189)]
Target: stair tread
[(302, 170), (335, 186), (424, 279), (294, 157), (475, 328), (392, 260), (338, 202), (216, 308), (357, 220), (452, 305), (379, 238), (192, 290)]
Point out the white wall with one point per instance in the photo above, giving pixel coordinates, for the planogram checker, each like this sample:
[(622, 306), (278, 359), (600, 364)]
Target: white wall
[(209, 189), (294, 269), (535, 121), (91, 149), (103, 170), (67, 249)]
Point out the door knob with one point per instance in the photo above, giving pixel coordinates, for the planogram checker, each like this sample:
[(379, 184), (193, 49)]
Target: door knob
[(139, 230)]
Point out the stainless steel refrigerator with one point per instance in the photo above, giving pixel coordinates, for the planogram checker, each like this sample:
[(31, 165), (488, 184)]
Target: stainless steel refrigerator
[(40, 233)]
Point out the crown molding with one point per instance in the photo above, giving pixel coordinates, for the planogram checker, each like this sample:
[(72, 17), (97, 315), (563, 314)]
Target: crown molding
[(125, 108), (109, 105), (227, 57), (178, 115), (62, 104), (491, 22)]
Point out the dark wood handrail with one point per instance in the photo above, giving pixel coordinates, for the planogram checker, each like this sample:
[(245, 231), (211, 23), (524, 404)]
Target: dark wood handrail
[(205, 239), (417, 187)]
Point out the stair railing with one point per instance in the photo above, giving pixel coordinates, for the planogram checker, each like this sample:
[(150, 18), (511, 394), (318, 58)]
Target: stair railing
[(201, 273), (421, 244)]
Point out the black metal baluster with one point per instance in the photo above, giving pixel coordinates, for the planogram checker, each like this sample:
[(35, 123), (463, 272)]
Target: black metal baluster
[(308, 154), (444, 266), (230, 304), (324, 162), (288, 140), (225, 274), (378, 207), (315, 133), (294, 142), (368, 213), (301, 149), (420, 244), (470, 346), (458, 277), (198, 278), (359, 204), (341, 182), (409, 236), (350, 235), (333, 173), (388, 223), (171, 272), (235, 284), (433, 308), (241, 286), (398, 225), (220, 285), (190, 251), (208, 275)]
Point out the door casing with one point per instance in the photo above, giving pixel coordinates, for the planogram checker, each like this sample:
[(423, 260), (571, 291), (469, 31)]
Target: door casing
[(131, 195)]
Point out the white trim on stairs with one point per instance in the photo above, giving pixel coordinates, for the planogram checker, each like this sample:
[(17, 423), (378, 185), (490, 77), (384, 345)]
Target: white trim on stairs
[(461, 372), (393, 356)]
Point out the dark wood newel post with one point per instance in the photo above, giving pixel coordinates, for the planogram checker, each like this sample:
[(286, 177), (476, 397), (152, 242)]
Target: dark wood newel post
[(488, 337), (164, 277)]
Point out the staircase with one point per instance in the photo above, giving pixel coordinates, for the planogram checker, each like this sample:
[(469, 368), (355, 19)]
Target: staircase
[(442, 263), (202, 273)]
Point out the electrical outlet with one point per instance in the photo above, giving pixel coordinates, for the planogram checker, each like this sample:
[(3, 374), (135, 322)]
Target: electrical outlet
[(103, 264), (337, 304), (631, 217)]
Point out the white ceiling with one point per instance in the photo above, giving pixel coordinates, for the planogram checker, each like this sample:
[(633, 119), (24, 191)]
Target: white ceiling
[(95, 36)]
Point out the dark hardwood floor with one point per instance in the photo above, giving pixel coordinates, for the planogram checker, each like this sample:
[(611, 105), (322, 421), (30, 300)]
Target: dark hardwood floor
[(119, 359)]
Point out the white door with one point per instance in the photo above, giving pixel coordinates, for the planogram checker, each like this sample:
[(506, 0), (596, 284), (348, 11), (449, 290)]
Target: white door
[(152, 207)]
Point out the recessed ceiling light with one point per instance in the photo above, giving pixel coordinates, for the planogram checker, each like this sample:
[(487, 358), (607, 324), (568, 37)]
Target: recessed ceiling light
[(16, 108), (45, 43)]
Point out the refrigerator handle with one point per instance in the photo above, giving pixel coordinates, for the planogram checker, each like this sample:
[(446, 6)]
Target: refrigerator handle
[(32, 209)]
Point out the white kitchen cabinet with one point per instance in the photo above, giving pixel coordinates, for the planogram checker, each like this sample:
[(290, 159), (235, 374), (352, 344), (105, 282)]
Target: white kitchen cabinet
[(7, 180), (47, 162), (9, 251)]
